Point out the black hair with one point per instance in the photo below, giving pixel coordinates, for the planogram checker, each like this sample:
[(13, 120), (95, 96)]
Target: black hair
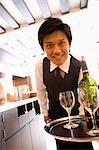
[(51, 25)]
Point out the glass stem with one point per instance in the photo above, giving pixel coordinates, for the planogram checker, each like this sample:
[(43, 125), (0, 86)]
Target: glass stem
[(93, 120), (69, 112)]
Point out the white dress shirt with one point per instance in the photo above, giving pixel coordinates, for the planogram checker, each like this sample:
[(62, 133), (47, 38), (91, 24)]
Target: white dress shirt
[(41, 88)]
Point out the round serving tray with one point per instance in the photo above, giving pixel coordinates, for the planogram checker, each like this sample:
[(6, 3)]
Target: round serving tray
[(55, 128)]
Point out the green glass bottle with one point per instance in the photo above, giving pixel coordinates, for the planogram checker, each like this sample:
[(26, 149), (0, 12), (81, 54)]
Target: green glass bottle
[(89, 86)]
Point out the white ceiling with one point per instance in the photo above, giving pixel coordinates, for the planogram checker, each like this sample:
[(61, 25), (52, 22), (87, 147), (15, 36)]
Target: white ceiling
[(19, 23), (18, 41), (19, 13)]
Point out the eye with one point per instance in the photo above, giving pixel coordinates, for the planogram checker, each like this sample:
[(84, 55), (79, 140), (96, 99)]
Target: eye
[(49, 45), (62, 43)]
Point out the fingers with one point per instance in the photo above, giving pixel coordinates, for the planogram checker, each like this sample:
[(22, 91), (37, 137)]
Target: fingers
[(46, 119)]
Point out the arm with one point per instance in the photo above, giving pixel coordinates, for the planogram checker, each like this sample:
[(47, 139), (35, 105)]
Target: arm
[(81, 108), (41, 90)]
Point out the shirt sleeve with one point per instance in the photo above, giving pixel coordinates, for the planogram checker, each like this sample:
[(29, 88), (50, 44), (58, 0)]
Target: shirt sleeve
[(41, 88), (80, 76), (81, 108)]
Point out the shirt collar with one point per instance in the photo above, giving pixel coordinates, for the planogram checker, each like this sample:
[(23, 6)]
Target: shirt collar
[(64, 67)]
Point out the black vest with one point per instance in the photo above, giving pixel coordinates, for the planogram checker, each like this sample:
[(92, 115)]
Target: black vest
[(53, 87)]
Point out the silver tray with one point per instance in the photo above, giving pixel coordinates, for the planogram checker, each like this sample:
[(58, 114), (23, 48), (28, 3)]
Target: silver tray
[(55, 128)]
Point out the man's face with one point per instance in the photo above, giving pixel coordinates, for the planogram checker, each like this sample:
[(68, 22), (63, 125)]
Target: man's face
[(56, 46)]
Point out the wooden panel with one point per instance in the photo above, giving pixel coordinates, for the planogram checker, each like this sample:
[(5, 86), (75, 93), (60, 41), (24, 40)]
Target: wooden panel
[(22, 81)]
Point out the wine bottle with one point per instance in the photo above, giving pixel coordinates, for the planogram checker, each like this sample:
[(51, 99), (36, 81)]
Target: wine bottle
[(89, 85)]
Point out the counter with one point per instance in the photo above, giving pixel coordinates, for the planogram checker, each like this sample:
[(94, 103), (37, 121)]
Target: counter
[(10, 105), (19, 121)]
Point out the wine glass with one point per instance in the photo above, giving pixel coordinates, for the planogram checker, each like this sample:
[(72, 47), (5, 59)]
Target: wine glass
[(67, 101), (90, 103)]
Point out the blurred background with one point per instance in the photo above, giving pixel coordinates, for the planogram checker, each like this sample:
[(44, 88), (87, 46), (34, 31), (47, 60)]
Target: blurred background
[(19, 24)]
